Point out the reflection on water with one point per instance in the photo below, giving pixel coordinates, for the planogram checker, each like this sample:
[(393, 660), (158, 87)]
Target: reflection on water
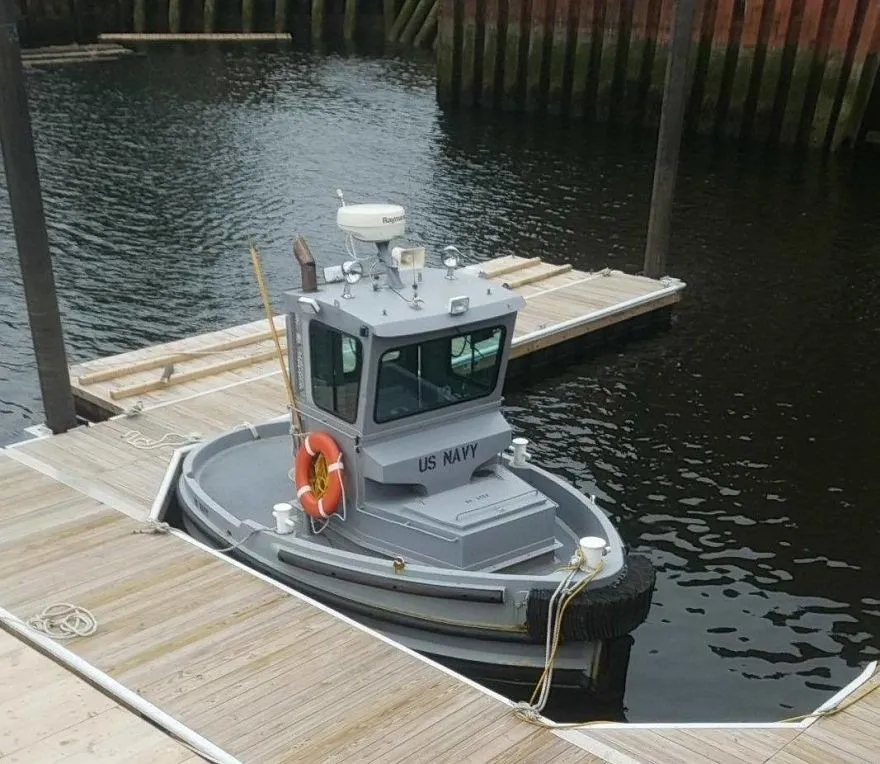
[(735, 450)]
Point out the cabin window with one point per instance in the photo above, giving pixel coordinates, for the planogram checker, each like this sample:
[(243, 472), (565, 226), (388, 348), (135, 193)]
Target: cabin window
[(435, 373), (336, 360)]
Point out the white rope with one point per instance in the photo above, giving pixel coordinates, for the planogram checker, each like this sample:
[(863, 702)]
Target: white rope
[(248, 426), (565, 592), (153, 526), (62, 620), (170, 440), (133, 411), (237, 544)]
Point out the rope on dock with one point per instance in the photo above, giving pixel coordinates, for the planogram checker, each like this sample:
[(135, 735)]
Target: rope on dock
[(61, 620), (171, 440)]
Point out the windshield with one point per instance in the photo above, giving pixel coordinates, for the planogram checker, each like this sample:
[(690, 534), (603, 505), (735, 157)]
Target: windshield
[(435, 373)]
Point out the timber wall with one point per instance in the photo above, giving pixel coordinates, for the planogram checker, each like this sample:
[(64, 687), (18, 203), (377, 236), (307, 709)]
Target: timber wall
[(410, 22), (798, 72)]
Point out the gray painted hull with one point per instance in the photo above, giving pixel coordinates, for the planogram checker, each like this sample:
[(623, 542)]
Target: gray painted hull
[(480, 620)]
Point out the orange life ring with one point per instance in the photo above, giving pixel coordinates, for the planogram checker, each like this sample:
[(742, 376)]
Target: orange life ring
[(314, 444)]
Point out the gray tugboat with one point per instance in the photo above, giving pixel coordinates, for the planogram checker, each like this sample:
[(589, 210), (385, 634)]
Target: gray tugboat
[(394, 491)]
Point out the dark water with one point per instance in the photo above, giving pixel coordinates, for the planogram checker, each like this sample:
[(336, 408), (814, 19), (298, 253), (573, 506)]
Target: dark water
[(738, 450)]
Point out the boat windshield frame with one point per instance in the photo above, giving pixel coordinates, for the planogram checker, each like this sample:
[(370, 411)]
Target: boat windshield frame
[(438, 385)]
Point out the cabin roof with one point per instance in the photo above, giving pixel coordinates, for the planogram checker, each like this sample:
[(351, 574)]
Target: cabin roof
[(390, 313)]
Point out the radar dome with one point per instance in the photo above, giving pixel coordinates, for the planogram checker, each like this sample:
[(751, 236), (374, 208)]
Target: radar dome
[(372, 222)]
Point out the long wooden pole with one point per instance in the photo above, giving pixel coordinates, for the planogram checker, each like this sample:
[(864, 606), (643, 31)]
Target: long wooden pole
[(247, 15), (174, 16), (267, 304), (349, 21), (28, 219), (140, 16), (675, 98), (209, 18), (280, 15), (317, 20)]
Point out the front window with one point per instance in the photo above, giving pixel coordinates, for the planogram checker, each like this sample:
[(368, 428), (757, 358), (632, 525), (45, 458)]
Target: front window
[(336, 360), (435, 373)]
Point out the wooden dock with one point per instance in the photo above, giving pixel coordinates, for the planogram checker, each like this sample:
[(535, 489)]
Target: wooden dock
[(565, 309), (263, 672), (47, 713)]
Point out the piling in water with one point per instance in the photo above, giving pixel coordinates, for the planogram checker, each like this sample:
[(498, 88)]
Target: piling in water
[(174, 16), (209, 17), (247, 15), (317, 20), (25, 201), (140, 15), (797, 72), (349, 21)]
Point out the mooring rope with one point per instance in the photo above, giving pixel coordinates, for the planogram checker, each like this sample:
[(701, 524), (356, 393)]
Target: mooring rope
[(61, 620)]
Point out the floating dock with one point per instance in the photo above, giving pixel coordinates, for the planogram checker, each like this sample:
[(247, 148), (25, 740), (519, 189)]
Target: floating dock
[(262, 672), (255, 669), (566, 311)]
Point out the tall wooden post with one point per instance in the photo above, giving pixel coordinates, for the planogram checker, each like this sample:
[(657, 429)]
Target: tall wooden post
[(174, 16), (210, 16), (675, 98), (388, 9), (280, 15), (26, 203), (349, 20), (317, 20), (140, 16), (247, 15)]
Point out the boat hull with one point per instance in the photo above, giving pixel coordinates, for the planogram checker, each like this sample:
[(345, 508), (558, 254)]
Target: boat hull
[(513, 665)]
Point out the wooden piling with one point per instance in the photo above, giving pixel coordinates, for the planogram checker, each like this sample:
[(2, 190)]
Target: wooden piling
[(861, 79), (406, 12), (209, 16), (675, 99), (558, 56), (723, 37), (468, 52), (140, 16), (29, 224), (512, 43), (174, 16), (247, 16), (764, 70), (743, 65), (349, 21), (416, 20), (607, 59), (389, 11), (317, 20), (491, 20), (833, 73), (638, 63), (445, 45), (800, 74), (280, 15), (429, 28), (766, 122), (583, 52), (535, 62)]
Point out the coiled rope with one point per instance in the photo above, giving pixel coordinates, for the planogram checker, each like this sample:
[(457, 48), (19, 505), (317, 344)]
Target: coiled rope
[(61, 620)]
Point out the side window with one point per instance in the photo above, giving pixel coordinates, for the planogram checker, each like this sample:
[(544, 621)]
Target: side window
[(336, 363)]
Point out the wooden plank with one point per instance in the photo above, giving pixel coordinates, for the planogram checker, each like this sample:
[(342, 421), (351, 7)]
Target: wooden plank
[(46, 713), (531, 279), (179, 379), (252, 668), (518, 265)]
